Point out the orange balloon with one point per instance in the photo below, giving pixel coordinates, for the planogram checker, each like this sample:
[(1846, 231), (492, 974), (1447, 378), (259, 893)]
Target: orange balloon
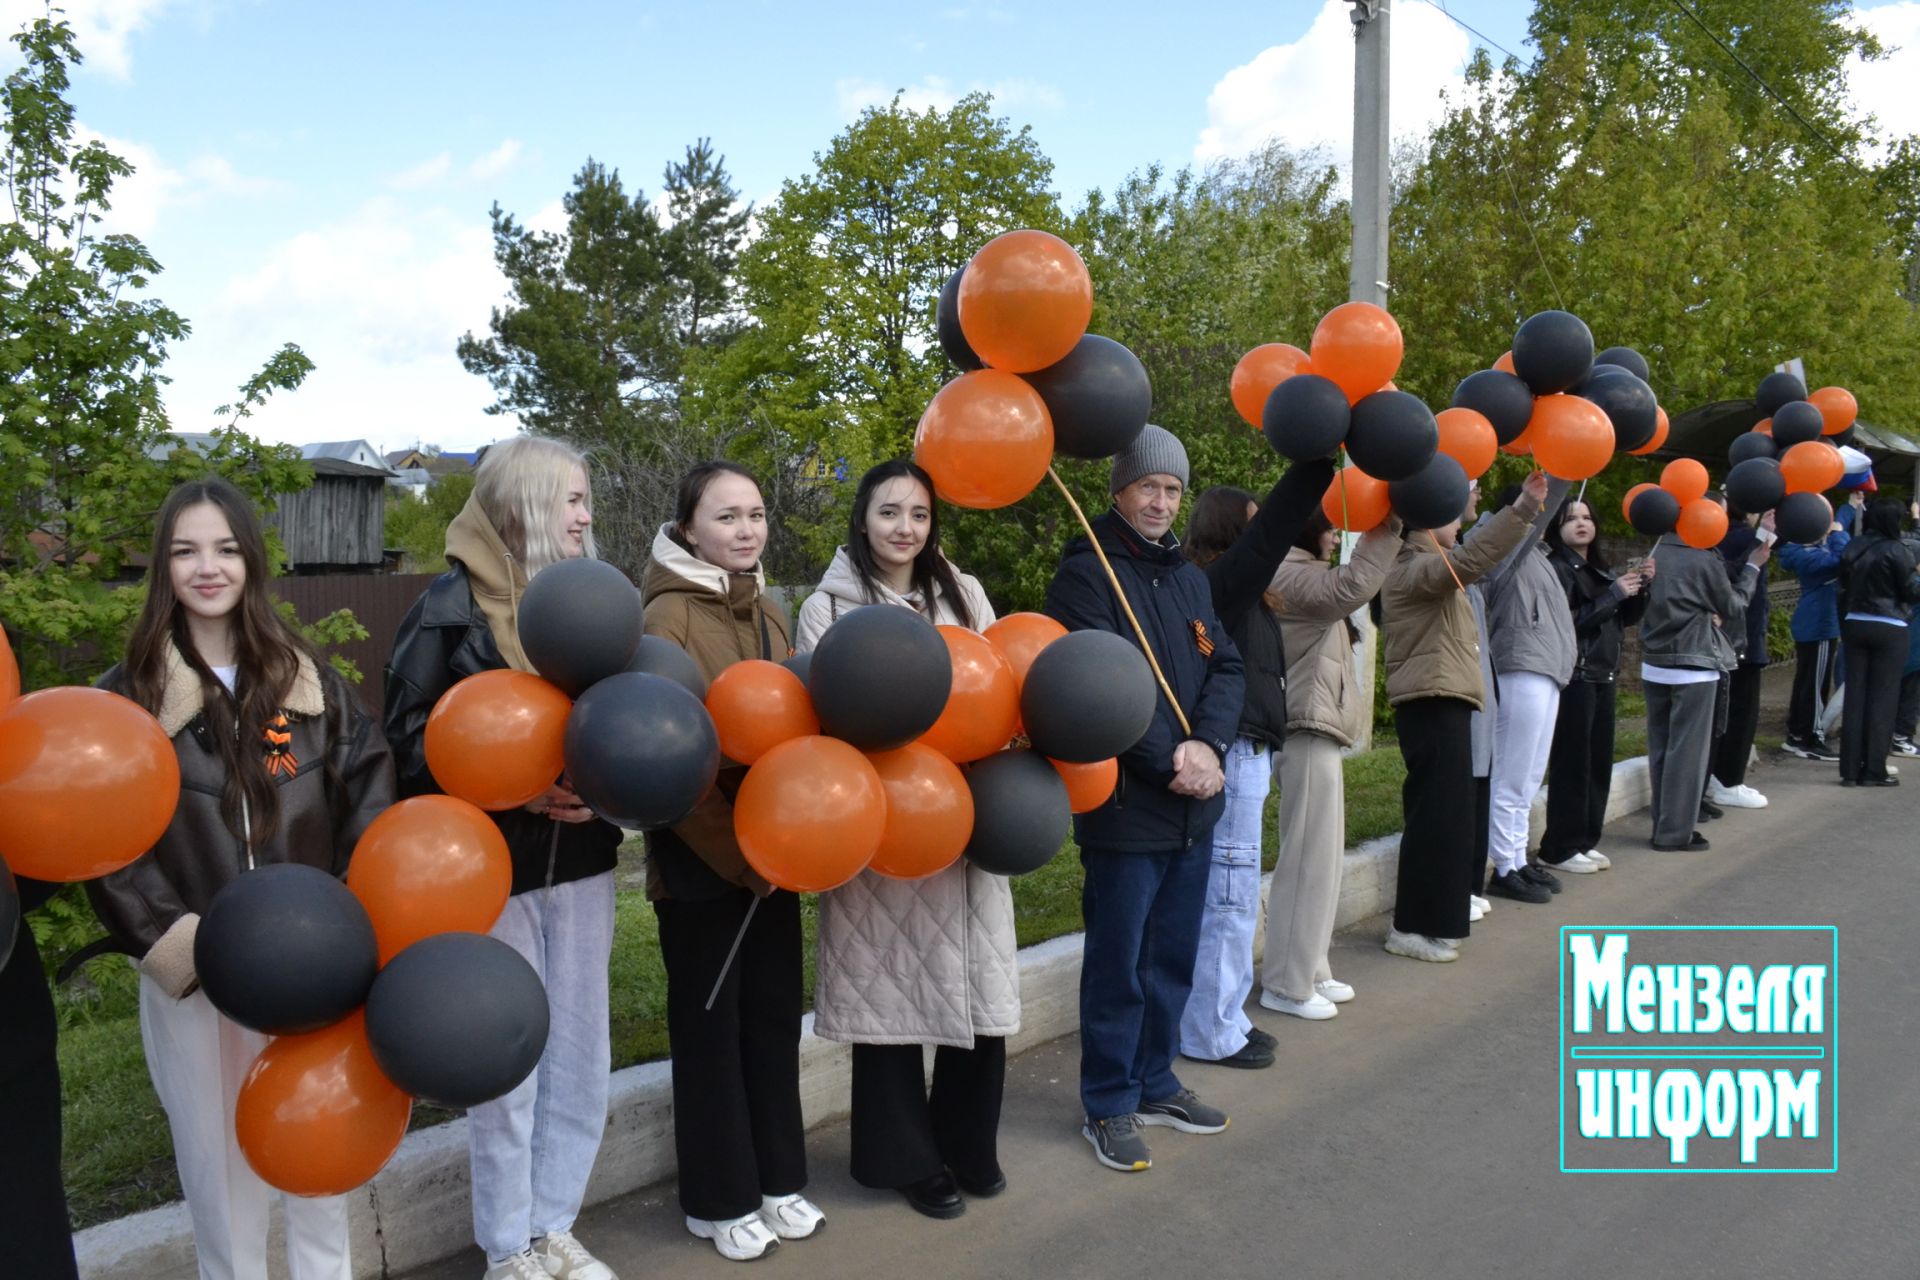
[(810, 814), (88, 783), (985, 439), (9, 671), (428, 865), (1505, 363), (1088, 785), (1811, 466), (1686, 480), (1572, 437), (1025, 301), (1522, 444), (756, 705), (983, 710), (1358, 346), (1469, 439), (1626, 503), (1703, 522), (1259, 372), (929, 812), (1355, 501), (1020, 637), (315, 1115), (1764, 426), (1837, 409), (498, 739), (1659, 434)]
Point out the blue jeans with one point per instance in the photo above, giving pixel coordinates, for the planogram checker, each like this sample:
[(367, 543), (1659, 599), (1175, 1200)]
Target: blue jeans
[(1215, 1024), (1142, 913)]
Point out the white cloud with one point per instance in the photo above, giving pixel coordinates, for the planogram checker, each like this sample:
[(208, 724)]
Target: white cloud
[(1884, 88), (101, 28), (496, 161), (154, 187), (1302, 93), (424, 174), (857, 93)]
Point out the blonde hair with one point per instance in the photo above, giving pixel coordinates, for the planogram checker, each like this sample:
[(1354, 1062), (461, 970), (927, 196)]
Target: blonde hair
[(521, 486)]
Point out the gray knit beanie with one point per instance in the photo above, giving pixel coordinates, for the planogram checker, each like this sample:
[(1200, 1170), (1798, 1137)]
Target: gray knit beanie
[(1156, 451)]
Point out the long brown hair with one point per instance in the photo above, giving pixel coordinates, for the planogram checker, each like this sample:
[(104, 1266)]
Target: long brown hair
[(1219, 518), (266, 651)]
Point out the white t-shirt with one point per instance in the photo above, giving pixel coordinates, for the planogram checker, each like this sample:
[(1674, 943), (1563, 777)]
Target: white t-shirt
[(227, 675)]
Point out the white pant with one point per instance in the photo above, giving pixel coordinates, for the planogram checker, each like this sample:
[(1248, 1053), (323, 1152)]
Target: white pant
[(1523, 738), (533, 1149), (1305, 896), (1215, 1023), (198, 1060)]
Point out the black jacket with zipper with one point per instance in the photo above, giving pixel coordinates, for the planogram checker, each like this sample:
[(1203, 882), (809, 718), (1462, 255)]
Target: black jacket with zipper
[(1601, 615), (1876, 577)]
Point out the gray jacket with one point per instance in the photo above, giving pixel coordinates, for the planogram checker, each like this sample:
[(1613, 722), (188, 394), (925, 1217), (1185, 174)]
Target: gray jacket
[(1528, 621), (1691, 587)]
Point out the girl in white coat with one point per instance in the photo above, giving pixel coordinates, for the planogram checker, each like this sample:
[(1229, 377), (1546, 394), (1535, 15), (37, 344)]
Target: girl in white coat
[(910, 963)]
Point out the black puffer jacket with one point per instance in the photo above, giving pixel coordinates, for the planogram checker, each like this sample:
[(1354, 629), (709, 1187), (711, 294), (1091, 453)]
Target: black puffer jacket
[(1876, 577), (443, 639), (1601, 614)]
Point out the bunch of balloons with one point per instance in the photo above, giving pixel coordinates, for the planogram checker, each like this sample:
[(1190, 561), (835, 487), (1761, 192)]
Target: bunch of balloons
[(1789, 458), (1678, 504), (1033, 380), (893, 751)]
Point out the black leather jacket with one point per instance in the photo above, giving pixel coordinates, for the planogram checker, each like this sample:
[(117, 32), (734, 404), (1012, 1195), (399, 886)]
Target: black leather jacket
[(444, 639), (1600, 615), (1876, 576)]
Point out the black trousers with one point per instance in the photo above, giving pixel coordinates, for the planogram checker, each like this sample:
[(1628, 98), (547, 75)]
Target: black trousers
[(902, 1134), (33, 1203), (1437, 846), (1730, 752), (1875, 653), (1815, 665), (1579, 769), (736, 1067)]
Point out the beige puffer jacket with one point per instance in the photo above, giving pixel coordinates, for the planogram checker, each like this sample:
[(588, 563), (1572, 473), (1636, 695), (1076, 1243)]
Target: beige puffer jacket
[(930, 961), (1432, 645), (1315, 599)]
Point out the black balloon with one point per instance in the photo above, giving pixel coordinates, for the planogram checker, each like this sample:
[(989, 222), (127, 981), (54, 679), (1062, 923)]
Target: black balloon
[(1803, 517), (1098, 398), (1755, 485), (1795, 422), (9, 912), (1627, 358), (580, 621), (1552, 351), (641, 750), (1654, 513), (284, 949), (880, 677), (1628, 403), (946, 323), (1500, 398), (800, 664), (1306, 417), (1777, 389), (457, 1019), (659, 656), (1436, 496), (1088, 696), (1750, 444), (1845, 438), (1021, 813), (1393, 435)]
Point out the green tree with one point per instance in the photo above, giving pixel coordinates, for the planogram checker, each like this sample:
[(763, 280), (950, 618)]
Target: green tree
[(82, 430), (418, 526)]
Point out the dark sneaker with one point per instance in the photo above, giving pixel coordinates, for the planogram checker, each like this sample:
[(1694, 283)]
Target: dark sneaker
[(1251, 1057), (1517, 887), (1709, 811), (1540, 876), (1697, 844), (1184, 1112), (1905, 747), (1819, 750), (1264, 1039), (1117, 1143)]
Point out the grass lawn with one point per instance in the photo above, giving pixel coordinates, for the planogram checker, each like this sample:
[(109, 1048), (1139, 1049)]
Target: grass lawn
[(118, 1155)]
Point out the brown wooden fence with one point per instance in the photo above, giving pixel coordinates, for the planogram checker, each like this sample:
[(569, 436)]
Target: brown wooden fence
[(378, 600)]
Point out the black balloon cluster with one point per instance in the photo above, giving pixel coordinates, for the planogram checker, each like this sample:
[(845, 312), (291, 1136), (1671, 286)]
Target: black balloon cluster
[(1756, 480)]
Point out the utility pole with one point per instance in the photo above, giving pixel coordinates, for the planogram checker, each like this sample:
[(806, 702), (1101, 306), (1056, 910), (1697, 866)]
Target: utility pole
[(1367, 277)]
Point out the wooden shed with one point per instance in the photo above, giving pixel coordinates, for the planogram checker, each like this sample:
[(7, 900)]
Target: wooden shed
[(338, 524)]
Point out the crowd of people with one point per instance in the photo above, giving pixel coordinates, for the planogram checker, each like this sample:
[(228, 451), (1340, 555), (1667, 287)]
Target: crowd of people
[(1503, 641)]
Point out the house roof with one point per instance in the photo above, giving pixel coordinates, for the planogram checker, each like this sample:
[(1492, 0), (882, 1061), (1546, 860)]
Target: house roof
[(325, 466)]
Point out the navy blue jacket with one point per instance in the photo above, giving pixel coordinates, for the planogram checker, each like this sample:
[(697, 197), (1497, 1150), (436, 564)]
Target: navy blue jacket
[(1169, 596), (1817, 566), (1739, 543)]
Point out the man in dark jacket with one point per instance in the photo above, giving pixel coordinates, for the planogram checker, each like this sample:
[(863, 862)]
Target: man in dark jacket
[(1147, 851)]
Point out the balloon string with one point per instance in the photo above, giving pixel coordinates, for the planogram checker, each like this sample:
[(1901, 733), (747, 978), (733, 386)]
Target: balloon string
[(1138, 631), (733, 951), (1444, 560)]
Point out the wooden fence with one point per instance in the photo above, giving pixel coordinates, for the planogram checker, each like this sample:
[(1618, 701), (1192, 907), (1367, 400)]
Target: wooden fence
[(378, 600)]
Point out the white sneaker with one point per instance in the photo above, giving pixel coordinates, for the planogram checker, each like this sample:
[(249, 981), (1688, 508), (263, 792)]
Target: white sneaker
[(524, 1265), (1716, 792), (1892, 772), (1334, 990), (1579, 864), (567, 1259), (1481, 901), (1742, 797), (737, 1239), (1474, 914), (1315, 1008), (791, 1217), (1418, 946), (1598, 859)]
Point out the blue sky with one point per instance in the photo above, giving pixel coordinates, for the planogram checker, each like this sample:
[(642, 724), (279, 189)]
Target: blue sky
[(322, 173)]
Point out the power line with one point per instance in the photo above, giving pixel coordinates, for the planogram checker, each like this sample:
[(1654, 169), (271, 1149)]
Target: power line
[(1685, 8), (1470, 30)]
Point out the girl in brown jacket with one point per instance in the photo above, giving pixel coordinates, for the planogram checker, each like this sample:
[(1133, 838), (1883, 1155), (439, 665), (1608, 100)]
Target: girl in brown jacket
[(736, 1066)]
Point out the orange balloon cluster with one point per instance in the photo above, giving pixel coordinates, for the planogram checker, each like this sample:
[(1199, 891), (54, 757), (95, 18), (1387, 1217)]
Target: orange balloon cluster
[(1358, 346), (316, 1116), (986, 439), (497, 739), (1355, 501), (1025, 300), (429, 865), (756, 705)]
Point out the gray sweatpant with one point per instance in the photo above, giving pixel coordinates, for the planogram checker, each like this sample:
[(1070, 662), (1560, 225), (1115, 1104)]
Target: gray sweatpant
[(1679, 736)]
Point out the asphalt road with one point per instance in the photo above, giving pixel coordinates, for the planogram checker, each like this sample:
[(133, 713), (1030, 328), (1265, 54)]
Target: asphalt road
[(1416, 1135)]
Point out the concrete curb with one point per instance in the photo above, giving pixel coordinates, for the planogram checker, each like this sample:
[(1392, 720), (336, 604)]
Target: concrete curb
[(417, 1210)]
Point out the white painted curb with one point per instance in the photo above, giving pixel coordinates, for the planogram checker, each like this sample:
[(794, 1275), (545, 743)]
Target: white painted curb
[(417, 1210)]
